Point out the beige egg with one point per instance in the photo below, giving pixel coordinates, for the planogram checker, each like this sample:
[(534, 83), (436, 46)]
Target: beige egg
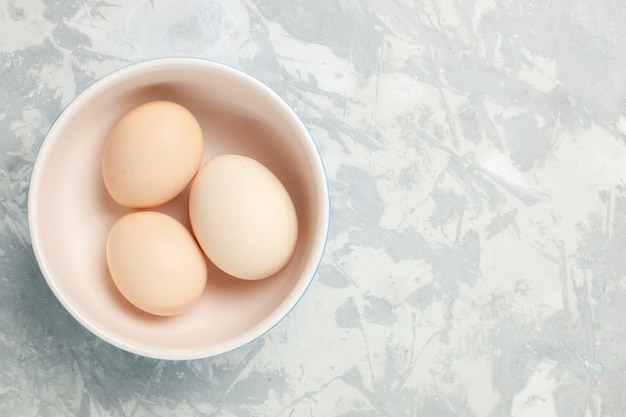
[(151, 154), (242, 217), (155, 262)]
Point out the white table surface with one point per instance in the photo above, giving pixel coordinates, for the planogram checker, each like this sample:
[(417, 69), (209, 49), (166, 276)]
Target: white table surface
[(476, 157)]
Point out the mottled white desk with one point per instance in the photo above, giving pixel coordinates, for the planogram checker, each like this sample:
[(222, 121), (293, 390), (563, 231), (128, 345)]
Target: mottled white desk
[(476, 155)]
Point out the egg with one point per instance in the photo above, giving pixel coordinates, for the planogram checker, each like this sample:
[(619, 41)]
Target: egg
[(242, 217), (155, 262), (151, 154)]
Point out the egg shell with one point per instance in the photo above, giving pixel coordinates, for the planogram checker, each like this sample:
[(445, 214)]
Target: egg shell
[(151, 154), (155, 262), (242, 217)]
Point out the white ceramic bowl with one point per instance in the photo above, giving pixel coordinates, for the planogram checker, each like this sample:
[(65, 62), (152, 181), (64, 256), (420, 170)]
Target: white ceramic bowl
[(70, 212)]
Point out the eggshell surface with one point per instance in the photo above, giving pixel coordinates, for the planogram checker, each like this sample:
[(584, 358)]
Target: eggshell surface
[(151, 154), (242, 217), (155, 262)]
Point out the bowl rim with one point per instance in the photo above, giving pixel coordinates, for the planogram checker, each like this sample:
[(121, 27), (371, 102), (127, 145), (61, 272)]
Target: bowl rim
[(66, 114)]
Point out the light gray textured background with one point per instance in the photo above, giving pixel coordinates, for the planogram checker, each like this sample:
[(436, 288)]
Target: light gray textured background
[(476, 155)]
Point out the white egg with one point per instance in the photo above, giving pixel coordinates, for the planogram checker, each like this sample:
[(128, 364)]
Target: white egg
[(242, 217)]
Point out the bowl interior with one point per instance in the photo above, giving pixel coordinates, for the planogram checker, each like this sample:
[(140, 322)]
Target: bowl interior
[(70, 212)]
